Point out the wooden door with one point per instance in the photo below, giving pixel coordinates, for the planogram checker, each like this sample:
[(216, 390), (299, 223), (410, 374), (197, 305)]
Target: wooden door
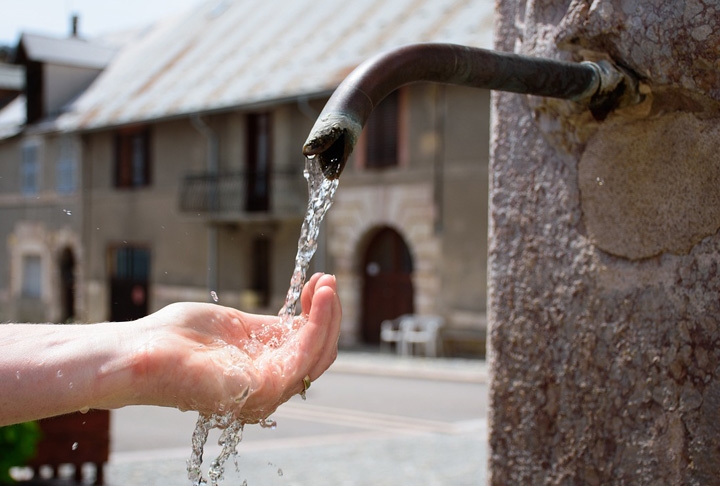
[(387, 282)]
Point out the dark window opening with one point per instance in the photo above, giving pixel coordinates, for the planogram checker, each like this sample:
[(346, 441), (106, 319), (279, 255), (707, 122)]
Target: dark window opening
[(67, 285), (129, 275), (257, 163), (132, 158), (131, 263), (381, 133), (260, 278)]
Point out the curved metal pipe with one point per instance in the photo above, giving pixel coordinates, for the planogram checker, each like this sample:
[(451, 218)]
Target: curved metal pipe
[(338, 127)]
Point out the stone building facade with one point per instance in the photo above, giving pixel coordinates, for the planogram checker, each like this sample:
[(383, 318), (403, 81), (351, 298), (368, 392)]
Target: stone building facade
[(188, 179)]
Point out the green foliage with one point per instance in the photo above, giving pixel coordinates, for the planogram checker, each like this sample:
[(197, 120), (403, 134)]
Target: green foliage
[(18, 444)]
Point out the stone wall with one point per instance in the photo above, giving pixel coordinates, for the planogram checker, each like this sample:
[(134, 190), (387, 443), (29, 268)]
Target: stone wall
[(604, 298), (357, 211)]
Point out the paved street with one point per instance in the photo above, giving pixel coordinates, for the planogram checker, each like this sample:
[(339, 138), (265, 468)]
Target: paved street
[(371, 420)]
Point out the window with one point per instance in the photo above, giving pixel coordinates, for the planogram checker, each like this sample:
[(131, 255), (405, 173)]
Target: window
[(382, 134), (258, 162), (30, 168), (131, 263), (65, 170), (260, 278), (129, 275), (132, 158), (31, 277)]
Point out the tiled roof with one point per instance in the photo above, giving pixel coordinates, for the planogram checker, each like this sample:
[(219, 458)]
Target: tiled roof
[(227, 54)]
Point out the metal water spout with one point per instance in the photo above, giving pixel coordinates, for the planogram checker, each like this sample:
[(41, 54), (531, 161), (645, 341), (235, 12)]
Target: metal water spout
[(602, 85)]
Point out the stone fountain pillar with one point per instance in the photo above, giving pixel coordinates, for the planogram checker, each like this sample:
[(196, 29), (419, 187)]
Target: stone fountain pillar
[(604, 254)]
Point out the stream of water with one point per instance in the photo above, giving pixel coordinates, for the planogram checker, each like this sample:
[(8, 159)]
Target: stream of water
[(321, 192)]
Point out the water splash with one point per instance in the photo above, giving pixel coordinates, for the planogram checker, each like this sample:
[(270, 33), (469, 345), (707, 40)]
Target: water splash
[(229, 439), (321, 195), (321, 192)]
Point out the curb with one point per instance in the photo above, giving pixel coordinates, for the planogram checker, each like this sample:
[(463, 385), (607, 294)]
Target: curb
[(441, 369)]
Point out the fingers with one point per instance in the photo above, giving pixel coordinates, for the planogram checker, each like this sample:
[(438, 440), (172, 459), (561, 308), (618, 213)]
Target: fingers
[(309, 291), (329, 349), (321, 332)]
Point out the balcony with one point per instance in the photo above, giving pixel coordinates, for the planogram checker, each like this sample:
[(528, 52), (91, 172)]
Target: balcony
[(244, 196)]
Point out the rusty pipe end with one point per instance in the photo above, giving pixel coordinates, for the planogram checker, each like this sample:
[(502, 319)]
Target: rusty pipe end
[(332, 140), (617, 88)]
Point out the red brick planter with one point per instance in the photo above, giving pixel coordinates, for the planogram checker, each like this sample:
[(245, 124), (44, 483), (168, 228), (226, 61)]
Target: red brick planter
[(74, 439)]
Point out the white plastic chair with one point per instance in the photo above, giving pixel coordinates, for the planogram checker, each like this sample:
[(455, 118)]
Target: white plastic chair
[(391, 331), (420, 330)]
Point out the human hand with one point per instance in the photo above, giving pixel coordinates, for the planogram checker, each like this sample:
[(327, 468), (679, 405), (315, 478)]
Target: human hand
[(216, 359)]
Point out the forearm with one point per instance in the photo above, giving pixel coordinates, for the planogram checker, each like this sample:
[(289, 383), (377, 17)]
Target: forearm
[(48, 370)]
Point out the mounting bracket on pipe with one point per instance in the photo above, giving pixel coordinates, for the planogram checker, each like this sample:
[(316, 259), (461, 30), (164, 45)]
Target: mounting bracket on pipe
[(603, 86)]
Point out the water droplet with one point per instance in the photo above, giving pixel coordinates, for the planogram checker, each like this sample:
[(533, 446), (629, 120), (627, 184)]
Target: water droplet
[(85, 409), (214, 295), (67, 211), (59, 374), (303, 395), (280, 472), (17, 374), (600, 181), (75, 446), (70, 385)]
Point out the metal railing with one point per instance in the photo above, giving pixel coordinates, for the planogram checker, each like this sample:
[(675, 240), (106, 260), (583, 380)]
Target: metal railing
[(241, 193)]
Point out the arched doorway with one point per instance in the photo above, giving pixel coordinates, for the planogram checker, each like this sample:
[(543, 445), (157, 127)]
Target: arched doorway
[(387, 284), (67, 286)]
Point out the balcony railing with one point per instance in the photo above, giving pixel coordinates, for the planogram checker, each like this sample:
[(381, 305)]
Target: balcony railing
[(244, 195)]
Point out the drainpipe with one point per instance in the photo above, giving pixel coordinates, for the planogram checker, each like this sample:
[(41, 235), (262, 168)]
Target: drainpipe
[(602, 85), (213, 168), (439, 157)]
